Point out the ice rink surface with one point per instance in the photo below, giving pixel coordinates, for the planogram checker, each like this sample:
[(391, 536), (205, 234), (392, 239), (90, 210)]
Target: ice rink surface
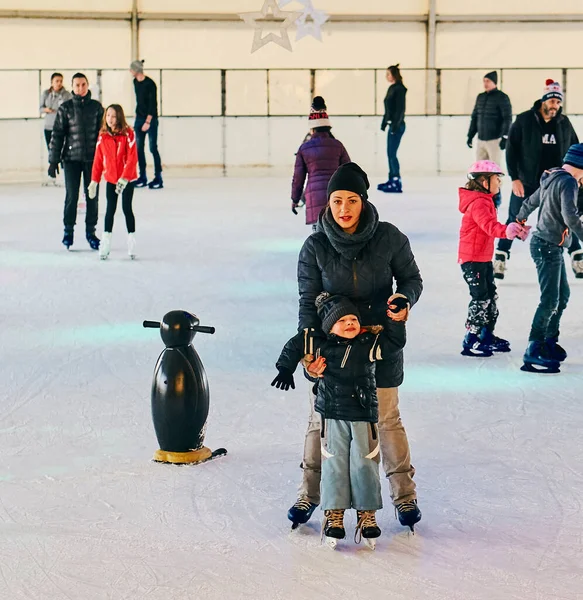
[(85, 515)]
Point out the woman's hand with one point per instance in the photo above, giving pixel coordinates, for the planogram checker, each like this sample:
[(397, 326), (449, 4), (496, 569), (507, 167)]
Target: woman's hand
[(317, 368), (398, 308)]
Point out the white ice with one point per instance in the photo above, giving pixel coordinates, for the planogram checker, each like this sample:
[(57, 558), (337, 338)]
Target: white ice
[(86, 515)]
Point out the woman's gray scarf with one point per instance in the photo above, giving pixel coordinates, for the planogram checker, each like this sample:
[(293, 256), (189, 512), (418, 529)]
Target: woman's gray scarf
[(350, 244)]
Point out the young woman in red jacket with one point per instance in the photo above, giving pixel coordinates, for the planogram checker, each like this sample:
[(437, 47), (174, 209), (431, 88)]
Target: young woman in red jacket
[(480, 227), (116, 158)]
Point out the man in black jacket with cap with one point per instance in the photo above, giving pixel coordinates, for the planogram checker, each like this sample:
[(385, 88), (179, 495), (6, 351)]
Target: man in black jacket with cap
[(491, 120)]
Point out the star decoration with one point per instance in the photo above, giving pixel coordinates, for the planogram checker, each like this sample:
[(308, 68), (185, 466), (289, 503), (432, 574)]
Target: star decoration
[(310, 21), (270, 7), (283, 3)]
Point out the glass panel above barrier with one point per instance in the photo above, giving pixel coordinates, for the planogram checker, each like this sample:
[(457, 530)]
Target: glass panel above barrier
[(289, 92), (187, 93), (23, 100), (416, 83), (574, 93), (347, 92), (459, 90), (525, 86), (246, 93)]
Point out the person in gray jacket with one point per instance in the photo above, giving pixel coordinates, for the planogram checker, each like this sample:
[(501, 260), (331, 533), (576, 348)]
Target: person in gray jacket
[(558, 219), (50, 101)]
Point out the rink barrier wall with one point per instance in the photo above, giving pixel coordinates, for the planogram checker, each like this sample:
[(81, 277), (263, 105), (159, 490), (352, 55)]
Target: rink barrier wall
[(433, 144)]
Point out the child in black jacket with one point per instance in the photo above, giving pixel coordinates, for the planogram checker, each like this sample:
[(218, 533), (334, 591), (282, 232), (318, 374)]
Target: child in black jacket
[(343, 366)]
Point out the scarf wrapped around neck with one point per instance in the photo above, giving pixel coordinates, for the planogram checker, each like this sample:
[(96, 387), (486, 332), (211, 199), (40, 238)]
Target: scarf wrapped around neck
[(349, 245)]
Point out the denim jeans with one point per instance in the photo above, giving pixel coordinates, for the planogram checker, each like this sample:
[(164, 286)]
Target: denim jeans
[(393, 143), (554, 289), (350, 466), (73, 171), (152, 134), (482, 310), (513, 210)]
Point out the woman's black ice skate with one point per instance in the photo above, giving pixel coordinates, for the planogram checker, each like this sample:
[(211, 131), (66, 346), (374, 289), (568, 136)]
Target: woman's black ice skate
[(367, 528), (554, 350), (496, 344), (68, 239), (408, 513), (333, 527), (156, 183), (538, 360), (93, 241), (473, 346), (301, 512), (141, 181)]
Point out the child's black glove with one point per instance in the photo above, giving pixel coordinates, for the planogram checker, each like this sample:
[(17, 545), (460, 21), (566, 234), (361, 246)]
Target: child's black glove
[(284, 380)]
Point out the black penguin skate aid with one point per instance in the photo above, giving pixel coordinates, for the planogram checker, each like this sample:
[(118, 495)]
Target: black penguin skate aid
[(180, 392)]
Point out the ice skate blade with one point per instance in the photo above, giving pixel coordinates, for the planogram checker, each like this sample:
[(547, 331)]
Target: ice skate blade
[(370, 542), (331, 542), (295, 526), (498, 276), (468, 352), (530, 368), (104, 257), (188, 458)]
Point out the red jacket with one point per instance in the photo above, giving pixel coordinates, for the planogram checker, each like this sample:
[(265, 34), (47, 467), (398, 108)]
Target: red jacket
[(116, 157), (479, 228)]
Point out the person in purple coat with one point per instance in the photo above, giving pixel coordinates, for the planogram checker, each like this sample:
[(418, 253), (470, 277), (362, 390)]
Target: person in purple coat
[(318, 158)]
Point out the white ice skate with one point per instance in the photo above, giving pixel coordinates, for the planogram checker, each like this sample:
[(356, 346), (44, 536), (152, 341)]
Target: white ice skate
[(105, 245), (132, 245), (577, 263), (500, 258)]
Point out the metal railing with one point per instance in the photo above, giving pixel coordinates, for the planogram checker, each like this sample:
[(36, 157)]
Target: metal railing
[(288, 92)]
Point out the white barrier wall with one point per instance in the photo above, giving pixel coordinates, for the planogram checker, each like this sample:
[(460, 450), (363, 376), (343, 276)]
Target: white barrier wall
[(430, 144)]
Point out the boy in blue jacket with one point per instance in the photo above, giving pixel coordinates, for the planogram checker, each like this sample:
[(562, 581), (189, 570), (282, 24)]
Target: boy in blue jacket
[(343, 366)]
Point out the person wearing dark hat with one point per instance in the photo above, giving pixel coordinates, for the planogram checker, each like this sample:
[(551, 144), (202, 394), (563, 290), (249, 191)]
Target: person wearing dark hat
[(557, 221), (537, 142), (317, 159), (343, 366), (146, 124), (394, 119), (491, 120), (355, 255)]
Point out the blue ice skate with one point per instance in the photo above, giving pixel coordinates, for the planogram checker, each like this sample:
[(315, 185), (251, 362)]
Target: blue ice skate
[(300, 512), (496, 344), (537, 359), (473, 346), (555, 351)]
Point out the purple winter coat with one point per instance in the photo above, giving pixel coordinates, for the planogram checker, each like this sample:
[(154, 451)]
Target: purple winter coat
[(318, 158)]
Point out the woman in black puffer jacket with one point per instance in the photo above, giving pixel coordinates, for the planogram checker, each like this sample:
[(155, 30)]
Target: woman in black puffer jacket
[(355, 255)]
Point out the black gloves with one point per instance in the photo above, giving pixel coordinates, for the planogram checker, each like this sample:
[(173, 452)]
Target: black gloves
[(53, 170), (284, 380), (400, 303), (503, 143), (383, 126), (470, 143)]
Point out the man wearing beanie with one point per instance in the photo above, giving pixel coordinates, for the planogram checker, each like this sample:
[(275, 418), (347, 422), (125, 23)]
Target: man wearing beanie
[(146, 124), (491, 120), (537, 142), (557, 221)]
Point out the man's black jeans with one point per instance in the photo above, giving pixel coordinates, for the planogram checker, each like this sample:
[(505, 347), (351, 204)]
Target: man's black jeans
[(152, 134), (73, 172)]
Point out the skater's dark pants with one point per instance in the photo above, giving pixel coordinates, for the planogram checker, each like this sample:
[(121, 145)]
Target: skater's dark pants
[(74, 170), (152, 134), (554, 289), (393, 143), (48, 134), (126, 204), (482, 310), (513, 210)]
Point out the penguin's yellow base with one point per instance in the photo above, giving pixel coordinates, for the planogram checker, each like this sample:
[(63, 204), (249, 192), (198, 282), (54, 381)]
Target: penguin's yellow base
[(183, 458)]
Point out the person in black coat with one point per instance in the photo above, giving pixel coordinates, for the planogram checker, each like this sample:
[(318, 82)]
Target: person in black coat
[(491, 120), (538, 140), (355, 255), (73, 143), (394, 118), (343, 364)]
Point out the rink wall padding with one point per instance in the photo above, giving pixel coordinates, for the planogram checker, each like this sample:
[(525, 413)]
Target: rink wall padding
[(430, 145)]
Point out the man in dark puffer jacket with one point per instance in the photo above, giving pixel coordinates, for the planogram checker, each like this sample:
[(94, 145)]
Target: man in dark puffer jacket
[(491, 120), (73, 143)]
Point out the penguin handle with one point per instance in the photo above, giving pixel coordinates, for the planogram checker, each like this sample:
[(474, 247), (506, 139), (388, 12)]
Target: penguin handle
[(151, 324), (203, 329)]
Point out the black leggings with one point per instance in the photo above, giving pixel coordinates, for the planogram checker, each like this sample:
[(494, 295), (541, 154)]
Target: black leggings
[(126, 204)]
